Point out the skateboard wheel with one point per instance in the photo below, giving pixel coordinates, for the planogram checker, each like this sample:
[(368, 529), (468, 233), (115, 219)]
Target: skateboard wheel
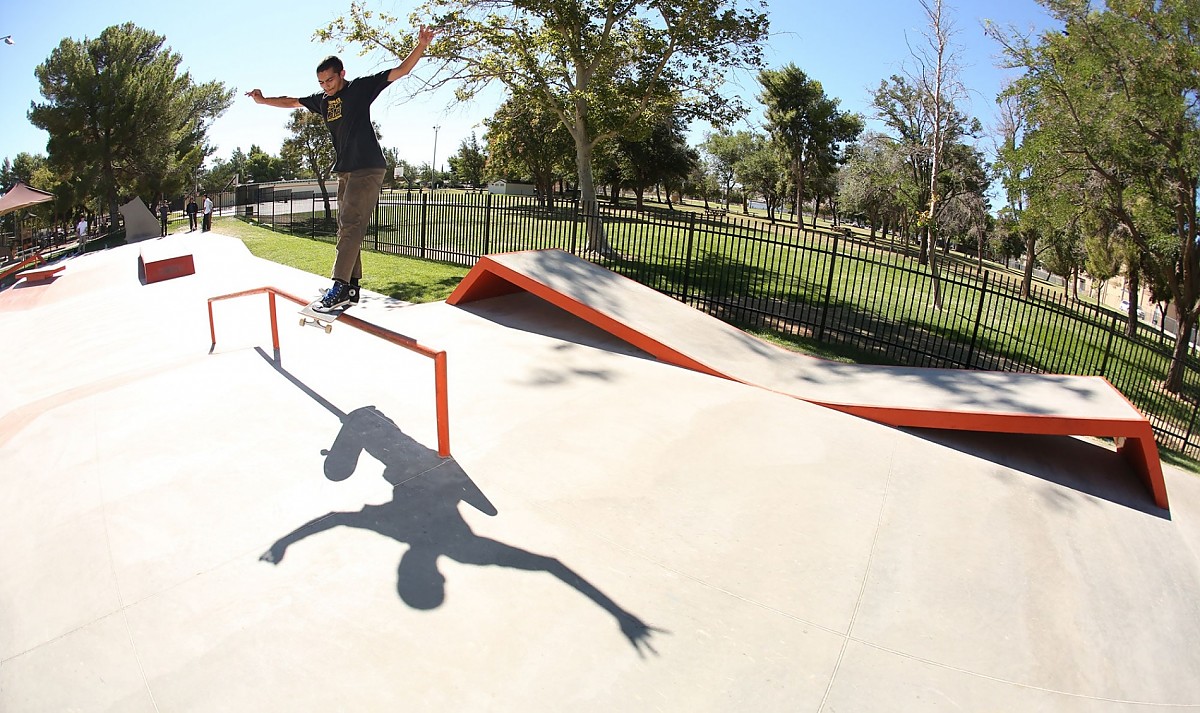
[(328, 328), (302, 321)]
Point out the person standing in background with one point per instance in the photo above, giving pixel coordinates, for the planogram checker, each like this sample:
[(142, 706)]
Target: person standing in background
[(208, 208), (192, 209), (81, 230), (163, 211)]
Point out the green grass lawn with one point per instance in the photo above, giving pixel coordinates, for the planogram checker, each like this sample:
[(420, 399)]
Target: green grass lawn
[(403, 278)]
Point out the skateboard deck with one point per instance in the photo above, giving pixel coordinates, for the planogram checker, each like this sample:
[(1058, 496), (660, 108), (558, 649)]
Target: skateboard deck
[(322, 320)]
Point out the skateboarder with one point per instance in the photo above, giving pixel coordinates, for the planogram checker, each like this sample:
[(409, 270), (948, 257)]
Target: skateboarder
[(360, 166)]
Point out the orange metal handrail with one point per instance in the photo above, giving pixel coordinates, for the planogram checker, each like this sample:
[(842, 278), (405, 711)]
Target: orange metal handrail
[(439, 357)]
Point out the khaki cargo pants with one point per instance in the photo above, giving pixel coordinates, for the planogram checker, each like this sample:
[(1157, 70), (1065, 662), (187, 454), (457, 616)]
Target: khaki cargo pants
[(358, 194)]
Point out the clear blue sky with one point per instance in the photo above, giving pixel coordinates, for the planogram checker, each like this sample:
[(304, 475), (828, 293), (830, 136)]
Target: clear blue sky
[(848, 45)]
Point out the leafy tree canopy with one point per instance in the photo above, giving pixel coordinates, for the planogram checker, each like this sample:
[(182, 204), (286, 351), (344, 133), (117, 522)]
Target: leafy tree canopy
[(600, 67), (122, 118)]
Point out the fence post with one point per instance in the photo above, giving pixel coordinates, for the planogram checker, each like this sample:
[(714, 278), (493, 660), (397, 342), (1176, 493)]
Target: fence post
[(1112, 332), (978, 318), (487, 223), (687, 258), (424, 214), (575, 224), (1187, 436), (828, 289), (377, 201)]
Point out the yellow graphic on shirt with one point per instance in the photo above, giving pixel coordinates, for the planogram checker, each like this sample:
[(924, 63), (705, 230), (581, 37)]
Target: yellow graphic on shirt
[(334, 110)]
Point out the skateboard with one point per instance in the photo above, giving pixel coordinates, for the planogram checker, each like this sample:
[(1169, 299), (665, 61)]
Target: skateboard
[(321, 320)]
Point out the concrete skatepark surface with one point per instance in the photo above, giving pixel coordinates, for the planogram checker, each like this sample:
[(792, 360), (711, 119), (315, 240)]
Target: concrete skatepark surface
[(191, 528)]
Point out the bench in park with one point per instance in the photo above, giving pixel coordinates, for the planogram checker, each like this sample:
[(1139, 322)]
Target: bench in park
[(715, 213)]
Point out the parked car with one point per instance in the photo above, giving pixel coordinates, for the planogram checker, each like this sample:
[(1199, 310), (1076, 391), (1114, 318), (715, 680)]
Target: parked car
[(1141, 314)]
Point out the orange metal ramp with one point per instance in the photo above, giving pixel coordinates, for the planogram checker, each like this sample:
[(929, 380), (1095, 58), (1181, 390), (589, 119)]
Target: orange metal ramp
[(897, 396)]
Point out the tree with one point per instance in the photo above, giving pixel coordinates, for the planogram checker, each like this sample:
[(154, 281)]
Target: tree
[(764, 170), (262, 167), (598, 67), (907, 111), (1113, 99), (936, 79), (310, 147), (962, 183), (701, 182), (869, 182), (806, 124), (526, 140), (1062, 253), (120, 115), (23, 168), (222, 174), (726, 150), (663, 156), (1012, 167), (469, 162)]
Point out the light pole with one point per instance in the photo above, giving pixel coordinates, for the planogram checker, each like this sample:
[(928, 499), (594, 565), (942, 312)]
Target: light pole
[(8, 40), (433, 166)]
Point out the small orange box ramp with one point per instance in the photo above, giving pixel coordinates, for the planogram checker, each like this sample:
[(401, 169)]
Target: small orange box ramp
[(163, 261)]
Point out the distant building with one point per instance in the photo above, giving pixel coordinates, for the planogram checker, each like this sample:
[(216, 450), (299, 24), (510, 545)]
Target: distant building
[(508, 188)]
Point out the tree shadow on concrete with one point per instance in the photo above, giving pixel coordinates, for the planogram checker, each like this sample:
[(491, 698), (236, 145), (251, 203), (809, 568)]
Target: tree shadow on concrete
[(424, 514)]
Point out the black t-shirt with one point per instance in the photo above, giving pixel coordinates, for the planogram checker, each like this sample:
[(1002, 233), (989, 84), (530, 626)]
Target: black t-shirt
[(348, 116)]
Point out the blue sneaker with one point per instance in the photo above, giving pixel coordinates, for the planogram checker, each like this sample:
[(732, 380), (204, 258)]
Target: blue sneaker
[(336, 297)]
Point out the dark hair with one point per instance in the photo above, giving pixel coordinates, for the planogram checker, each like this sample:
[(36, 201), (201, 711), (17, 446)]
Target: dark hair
[(330, 62)]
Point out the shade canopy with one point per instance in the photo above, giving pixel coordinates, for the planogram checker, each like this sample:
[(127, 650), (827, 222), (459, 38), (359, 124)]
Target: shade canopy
[(21, 196)]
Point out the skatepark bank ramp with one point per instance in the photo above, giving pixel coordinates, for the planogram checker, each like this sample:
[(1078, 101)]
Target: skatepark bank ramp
[(1001, 402)]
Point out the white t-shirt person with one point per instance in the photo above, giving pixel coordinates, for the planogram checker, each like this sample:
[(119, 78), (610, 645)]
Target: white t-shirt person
[(206, 221)]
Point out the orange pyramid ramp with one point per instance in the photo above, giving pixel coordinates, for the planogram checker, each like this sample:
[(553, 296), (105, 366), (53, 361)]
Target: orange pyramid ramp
[(955, 399)]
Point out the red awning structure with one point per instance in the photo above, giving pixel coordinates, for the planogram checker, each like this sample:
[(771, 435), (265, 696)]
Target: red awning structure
[(21, 196)]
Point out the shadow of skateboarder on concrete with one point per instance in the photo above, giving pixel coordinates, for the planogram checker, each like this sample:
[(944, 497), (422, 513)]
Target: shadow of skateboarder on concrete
[(424, 514)]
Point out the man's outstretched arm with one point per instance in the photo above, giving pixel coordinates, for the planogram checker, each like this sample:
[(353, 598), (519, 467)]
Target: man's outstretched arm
[(281, 102), (424, 37)]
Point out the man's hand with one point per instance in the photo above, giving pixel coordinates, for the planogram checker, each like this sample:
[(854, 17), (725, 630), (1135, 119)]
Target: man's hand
[(281, 102), (425, 35)]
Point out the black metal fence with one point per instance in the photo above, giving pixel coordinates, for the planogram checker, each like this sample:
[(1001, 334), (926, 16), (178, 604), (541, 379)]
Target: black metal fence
[(872, 296)]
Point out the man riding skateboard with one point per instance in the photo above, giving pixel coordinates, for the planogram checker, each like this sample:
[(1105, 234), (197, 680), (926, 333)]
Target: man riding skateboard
[(360, 166)]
